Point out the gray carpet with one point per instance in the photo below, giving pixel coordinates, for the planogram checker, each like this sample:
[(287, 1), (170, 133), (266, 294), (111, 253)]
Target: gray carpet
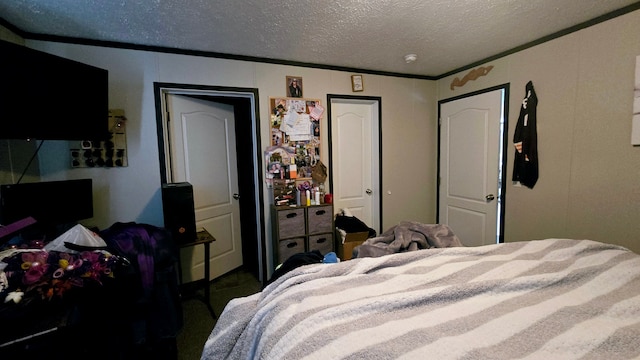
[(198, 322)]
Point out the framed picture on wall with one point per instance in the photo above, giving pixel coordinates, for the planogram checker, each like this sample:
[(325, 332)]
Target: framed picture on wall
[(356, 83), (294, 86)]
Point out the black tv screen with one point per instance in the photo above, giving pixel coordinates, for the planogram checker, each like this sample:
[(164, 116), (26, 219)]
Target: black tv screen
[(47, 97), (49, 203)]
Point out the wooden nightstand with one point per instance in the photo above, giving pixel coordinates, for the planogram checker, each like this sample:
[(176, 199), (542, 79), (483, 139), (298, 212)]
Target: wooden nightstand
[(203, 237)]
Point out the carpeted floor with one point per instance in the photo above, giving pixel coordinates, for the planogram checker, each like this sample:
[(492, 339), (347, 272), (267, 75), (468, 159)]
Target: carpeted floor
[(198, 322)]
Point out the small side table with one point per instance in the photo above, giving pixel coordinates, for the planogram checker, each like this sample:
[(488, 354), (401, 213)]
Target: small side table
[(203, 237)]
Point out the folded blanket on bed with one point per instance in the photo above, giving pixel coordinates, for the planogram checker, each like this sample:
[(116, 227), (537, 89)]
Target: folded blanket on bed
[(408, 236)]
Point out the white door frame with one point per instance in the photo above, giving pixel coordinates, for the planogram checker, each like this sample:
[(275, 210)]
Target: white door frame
[(372, 100), (163, 89), (502, 161)]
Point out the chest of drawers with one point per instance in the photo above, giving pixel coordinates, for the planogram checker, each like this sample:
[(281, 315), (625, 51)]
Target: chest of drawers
[(302, 229)]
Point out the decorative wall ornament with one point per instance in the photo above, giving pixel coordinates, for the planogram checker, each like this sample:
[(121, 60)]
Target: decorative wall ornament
[(103, 153), (294, 86), (357, 84), (471, 75)]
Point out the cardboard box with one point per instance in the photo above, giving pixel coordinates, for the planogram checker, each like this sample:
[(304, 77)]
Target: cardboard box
[(351, 240)]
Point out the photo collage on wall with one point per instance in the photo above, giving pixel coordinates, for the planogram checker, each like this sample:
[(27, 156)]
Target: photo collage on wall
[(295, 138)]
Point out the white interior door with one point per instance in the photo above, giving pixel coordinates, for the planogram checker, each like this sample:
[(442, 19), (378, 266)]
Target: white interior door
[(470, 166), (203, 153), (355, 152)]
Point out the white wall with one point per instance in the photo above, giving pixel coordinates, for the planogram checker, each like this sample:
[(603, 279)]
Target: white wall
[(589, 185), (120, 194), (133, 193)]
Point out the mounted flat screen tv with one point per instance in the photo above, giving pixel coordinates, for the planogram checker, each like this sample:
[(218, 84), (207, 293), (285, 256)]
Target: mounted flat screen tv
[(47, 97)]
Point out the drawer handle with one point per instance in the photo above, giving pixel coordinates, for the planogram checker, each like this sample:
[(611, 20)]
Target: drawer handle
[(291, 215), (321, 240), (320, 212), (291, 245)]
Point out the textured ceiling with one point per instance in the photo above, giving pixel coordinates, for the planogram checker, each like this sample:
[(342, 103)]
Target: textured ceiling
[(359, 34)]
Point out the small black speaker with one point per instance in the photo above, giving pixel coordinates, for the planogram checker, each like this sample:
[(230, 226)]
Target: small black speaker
[(179, 211)]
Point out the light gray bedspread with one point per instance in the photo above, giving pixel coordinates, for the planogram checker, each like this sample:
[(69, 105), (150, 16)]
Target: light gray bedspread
[(408, 236), (545, 299)]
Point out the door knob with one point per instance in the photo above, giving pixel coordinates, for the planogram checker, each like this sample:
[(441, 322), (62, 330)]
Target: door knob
[(236, 196), (369, 191), (489, 197)]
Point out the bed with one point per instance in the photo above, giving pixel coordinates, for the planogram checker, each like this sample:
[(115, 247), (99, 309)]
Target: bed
[(552, 298)]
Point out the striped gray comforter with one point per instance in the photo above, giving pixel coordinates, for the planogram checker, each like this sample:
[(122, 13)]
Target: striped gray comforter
[(544, 299)]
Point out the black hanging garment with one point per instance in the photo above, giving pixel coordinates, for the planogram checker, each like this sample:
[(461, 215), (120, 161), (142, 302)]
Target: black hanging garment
[(525, 139)]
